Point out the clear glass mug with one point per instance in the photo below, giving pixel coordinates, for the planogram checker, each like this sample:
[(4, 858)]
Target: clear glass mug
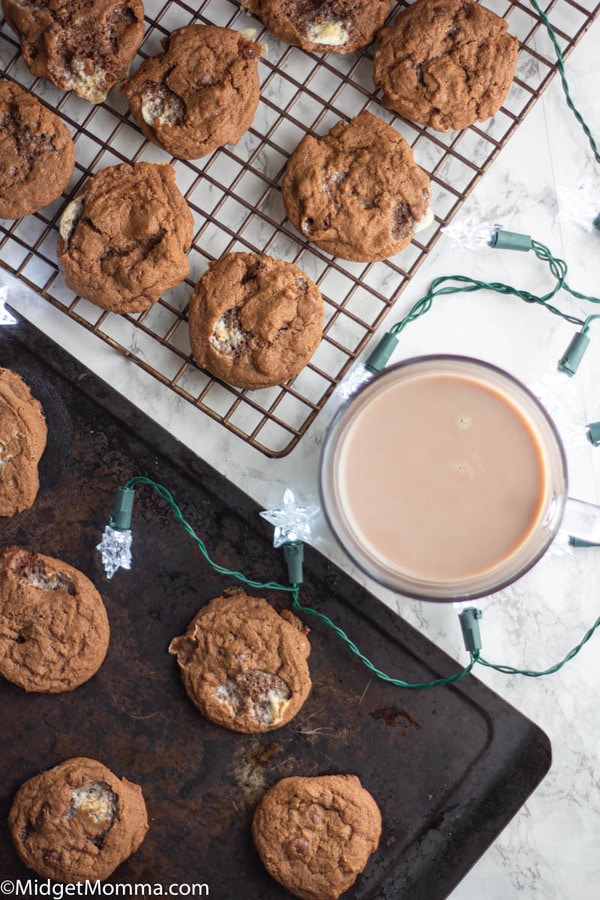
[(445, 479)]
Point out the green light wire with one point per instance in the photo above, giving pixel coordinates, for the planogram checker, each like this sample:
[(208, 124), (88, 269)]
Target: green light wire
[(165, 494), (510, 670), (455, 284), (563, 78), (294, 590), (397, 682)]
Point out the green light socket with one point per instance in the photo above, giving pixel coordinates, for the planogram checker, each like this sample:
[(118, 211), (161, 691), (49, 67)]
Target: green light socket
[(510, 240), (579, 542), (293, 552), (381, 354), (593, 433), (469, 623), (574, 353), (120, 518), (597, 222)]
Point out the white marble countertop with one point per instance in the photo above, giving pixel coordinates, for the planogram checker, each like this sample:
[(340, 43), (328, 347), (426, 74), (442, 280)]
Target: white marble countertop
[(551, 849)]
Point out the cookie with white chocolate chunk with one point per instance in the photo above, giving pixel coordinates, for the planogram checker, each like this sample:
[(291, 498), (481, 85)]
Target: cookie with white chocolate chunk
[(84, 46), (77, 821), (243, 664), (339, 26), (23, 434), (200, 93), (37, 154), (124, 238), (255, 321), (54, 631)]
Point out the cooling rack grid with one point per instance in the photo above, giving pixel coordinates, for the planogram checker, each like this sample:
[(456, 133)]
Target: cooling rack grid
[(235, 198)]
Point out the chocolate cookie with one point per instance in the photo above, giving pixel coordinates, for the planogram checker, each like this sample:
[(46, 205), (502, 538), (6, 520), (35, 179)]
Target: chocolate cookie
[(315, 835), (23, 435), (338, 25), (77, 821), (357, 192), (243, 664), (54, 630), (255, 321), (37, 155), (199, 94), (124, 238), (447, 64), (84, 46)]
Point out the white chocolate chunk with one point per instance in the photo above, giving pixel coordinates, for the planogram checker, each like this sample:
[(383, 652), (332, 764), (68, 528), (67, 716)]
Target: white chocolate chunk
[(332, 33)]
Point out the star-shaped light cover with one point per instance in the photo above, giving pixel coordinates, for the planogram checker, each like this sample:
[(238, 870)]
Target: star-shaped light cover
[(115, 549), (579, 206), (292, 522), (471, 234), (354, 380), (5, 317)]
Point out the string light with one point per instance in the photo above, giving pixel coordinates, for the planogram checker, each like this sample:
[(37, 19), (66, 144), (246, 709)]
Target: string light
[(455, 284), (120, 522)]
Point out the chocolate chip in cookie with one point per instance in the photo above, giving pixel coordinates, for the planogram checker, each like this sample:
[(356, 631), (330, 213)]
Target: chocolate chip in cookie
[(37, 154), (124, 238), (54, 630), (315, 835), (357, 192), (84, 46), (445, 64), (200, 93), (23, 435), (255, 321), (77, 821), (243, 664), (341, 26)]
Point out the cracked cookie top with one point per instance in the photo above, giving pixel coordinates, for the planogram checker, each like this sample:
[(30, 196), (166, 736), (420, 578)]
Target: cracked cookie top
[(340, 26), (445, 64), (37, 155), (255, 321), (243, 664), (200, 93), (315, 835), (357, 192), (23, 434), (124, 238), (77, 821), (84, 46), (54, 630)]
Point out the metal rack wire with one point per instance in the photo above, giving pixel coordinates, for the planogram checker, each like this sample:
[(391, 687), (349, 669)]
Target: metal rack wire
[(235, 198)]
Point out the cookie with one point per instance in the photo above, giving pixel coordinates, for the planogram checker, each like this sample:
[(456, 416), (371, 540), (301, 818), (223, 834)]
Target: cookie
[(84, 46), (322, 25), (77, 821), (199, 94), (243, 664), (54, 630), (23, 436), (357, 192), (315, 835), (255, 321), (447, 64), (124, 238), (37, 155)]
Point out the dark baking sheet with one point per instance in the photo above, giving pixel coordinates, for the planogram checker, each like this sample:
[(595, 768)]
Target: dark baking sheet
[(449, 766)]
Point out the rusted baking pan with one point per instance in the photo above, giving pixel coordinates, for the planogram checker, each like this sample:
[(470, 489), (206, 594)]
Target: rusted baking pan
[(448, 766)]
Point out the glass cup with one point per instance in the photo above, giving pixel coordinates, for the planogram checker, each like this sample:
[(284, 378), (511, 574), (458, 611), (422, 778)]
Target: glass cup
[(443, 478)]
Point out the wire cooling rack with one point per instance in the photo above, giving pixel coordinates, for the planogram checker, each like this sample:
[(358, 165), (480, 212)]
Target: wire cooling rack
[(235, 198)]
